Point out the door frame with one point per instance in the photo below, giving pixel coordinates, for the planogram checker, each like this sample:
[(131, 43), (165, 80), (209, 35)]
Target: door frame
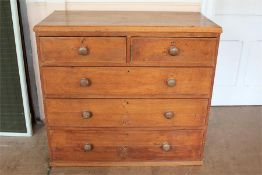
[(21, 69)]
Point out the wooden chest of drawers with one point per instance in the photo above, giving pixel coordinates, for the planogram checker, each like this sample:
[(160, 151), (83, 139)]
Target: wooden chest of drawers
[(126, 88)]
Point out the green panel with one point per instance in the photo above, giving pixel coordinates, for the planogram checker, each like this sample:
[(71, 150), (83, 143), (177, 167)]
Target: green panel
[(12, 117)]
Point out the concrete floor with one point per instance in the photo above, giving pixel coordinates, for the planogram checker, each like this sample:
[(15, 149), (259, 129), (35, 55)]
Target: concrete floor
[(234, 147)]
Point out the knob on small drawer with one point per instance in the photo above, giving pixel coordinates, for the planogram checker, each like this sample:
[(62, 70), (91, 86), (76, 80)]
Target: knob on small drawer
[(166, 146), (171, 82), (169, 114), (87, 114), (83, 51), (84, 82), (88, 147), (173, 51)]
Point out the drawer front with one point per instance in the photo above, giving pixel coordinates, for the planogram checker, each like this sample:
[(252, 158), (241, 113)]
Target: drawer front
[(126, 112), (174, 51), (132, 145), (89, 82), (69, 51)]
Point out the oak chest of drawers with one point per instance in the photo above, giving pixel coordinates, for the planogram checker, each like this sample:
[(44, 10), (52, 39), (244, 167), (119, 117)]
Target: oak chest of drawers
[(126, 88)]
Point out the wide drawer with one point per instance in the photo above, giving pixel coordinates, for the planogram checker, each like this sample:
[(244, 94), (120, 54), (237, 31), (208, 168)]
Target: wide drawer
[(173, 51), (123, 82), (123, 145), (126, 112), (69, 51)]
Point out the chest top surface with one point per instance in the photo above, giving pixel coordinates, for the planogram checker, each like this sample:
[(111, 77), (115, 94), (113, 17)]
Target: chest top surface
[(138, 21)]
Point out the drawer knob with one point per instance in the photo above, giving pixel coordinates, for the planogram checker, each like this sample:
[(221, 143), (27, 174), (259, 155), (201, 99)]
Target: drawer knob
[(171, 82), (169, 114), (173, 51), (166, 146), (84, 82), (83, 51), (87, 114), (88, 147)]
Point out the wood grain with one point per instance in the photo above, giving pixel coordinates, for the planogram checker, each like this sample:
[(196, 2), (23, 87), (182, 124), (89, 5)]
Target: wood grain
[(155, 51), (127, 145), (110, 81), (211, 92), (64, 50), (128, 66), (126, 112), (102, 21)]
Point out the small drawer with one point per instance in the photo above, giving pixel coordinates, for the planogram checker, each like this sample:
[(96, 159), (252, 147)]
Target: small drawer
[(126, 113), (173, 51), (131, 145), (81, 51), (124, 82)]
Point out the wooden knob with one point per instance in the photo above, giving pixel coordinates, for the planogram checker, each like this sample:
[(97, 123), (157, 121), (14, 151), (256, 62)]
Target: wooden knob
[(173, 51), (87, 114), (166, 146), (169, 114), (83, 51), (88, 147), (84, 82), (171, 82)]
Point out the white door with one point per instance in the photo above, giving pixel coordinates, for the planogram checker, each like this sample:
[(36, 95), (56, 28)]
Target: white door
[(238, 78)]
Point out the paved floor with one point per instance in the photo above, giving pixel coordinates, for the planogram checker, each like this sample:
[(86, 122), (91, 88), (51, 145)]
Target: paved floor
[(234, 147)]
